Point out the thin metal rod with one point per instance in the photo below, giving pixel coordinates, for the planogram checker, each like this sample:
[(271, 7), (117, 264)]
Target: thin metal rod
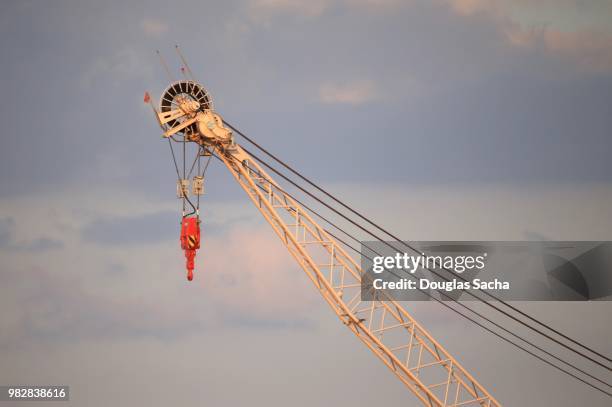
[(180, 54), (165, 65)]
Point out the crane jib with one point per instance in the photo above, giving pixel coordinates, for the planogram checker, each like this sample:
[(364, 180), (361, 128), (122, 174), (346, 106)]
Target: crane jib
[(386, 328)]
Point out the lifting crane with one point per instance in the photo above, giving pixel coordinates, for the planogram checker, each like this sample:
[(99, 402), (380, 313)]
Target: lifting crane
[(435, 377)]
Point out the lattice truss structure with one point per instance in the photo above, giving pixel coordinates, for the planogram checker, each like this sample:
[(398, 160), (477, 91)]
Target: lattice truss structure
[(384, 326)]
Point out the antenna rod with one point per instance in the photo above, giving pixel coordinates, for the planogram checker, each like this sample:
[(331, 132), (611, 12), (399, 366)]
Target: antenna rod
[(163, 62), (180, 54)]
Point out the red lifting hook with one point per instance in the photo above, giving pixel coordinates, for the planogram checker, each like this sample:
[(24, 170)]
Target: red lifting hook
[(190, 241)]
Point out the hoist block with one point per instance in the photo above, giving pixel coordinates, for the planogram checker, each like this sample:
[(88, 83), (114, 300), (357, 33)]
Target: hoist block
[(197, 186), (182, 188), (190, 242)]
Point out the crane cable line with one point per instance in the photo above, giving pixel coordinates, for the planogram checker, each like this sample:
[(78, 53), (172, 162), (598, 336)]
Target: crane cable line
[(184, 168), (444, 303), (423, 291), (412, 248), (432, 271), (399, 240), (178, 176)]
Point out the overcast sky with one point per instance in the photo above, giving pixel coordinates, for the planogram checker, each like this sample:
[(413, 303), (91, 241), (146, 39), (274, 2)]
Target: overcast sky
[(443, 120)]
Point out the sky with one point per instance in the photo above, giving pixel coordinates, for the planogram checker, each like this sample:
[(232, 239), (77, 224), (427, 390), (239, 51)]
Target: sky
[(442, 120)]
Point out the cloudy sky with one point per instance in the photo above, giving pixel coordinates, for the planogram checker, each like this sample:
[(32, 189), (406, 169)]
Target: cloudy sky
[(443, 120)]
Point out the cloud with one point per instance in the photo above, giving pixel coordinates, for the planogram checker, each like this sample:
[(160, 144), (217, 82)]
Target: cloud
[(7, 228), (565, 29), (55, 304), (315, 8), (355, 93), (266, 8), (43, 243), (9, 241), (130, 282), (521, 9), (249, 273), (148, 228), (469, 7), (590, 49), (109, 294), (152, 27), (249, 290), (126, 230), (115, 68), (262, 11), (81, 292)]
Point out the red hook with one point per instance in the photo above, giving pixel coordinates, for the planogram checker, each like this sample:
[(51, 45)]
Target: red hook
[(190, 242)]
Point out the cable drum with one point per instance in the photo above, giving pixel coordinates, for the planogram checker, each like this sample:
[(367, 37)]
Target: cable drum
[(176, 93)]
